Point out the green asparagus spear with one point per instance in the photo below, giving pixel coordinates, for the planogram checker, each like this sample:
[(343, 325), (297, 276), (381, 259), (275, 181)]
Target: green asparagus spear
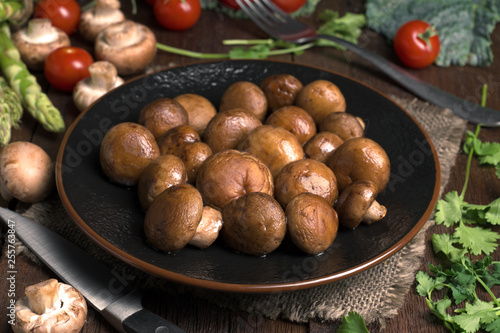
[(24, 83), (8, 9), (11, 102)]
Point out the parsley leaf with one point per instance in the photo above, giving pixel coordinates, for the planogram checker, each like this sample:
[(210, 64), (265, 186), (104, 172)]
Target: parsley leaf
[(353, 323), (448, 210), (477, 239), (475, 314)]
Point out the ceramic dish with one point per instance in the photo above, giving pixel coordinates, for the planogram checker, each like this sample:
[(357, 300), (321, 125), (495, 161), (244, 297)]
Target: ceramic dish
[(111, 216)]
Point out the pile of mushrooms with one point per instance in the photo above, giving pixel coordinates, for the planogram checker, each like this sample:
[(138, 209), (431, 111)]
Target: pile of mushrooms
[(50, 306), (299, 165)]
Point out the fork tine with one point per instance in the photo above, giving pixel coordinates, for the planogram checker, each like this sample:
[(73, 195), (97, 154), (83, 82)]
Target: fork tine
[(260, 14)]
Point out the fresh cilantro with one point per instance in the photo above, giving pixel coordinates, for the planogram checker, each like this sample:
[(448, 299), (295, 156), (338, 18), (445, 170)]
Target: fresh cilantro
[(352, 323), (462, 276), (347, 27)]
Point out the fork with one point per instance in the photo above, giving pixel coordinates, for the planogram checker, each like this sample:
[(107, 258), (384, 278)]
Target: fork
[(280, 25)]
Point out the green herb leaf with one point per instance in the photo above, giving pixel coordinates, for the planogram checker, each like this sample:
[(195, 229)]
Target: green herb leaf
[(478, 240), (352, 323), (476, 314), (444, 243), (448, 210)]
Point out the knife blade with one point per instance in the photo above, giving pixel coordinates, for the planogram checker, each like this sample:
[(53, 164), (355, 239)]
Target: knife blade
[(105, 290)]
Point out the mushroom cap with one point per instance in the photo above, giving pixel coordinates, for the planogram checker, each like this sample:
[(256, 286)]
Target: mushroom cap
[(26, 172), (360, 159), (344, 124), (280, 90), (294, 119), (98, 17), (130, 46), (322, 145), (354, 202), (61, 309), (34, 47)]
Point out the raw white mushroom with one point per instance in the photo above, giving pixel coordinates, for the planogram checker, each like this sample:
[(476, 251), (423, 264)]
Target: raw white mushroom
[(103, 77), (50, 306), (26, 172), (37, 40), (128, 45), (97, 18)]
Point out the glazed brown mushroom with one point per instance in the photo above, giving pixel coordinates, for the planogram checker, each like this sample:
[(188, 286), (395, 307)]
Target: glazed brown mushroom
[(163, 172), (320, 98), (312, 223), (50, 306), (126, 150), (103, 77), (229, 174), (227, 129), (344, 124), (208, 230), (322, 145), (173, 217), (37, 40), (306, 175), (254, 224), (294, 119), (193, 155), (161, 115), (98, 17), (357, 204), (128, 45), (275, 146), (245, 95), (172, 141), (199, 109), (280, 90), (360, 159)]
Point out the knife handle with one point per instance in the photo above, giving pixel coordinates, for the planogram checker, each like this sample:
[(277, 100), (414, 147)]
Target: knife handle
[(144, 321)]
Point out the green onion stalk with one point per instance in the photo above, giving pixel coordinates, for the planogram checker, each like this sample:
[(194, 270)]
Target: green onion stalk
[(26, 86)]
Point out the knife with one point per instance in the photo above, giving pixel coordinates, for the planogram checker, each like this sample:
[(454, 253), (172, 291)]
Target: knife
[(105, 290)]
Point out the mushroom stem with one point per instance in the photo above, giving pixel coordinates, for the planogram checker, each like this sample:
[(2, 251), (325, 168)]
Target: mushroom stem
[(374, 213), (123, 34), (43, 296), (103, 75), (40, 30), (105, 8)]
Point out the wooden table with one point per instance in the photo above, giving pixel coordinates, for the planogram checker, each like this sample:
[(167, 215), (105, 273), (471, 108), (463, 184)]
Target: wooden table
[(194, 315)]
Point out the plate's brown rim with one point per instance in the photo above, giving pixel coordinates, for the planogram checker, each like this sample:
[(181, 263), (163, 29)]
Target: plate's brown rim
[(244, 288)]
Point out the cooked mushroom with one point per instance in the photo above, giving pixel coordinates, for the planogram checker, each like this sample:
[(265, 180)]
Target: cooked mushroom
[(229, 174), (199, 109), (312, 223), (357, 204), (172, 141), (161, 115), (320, 98), (322, 145), (50, 306), (208, 230), (344, 124), (275, 146), (360, 159), (280, 90), (245, 95), (103, 77), (173, 217), (26, 172), (254, 224), (163, 172), (126, 150), (306, 175), (294, 119), (98, 17), (37, 40), (128, 45)]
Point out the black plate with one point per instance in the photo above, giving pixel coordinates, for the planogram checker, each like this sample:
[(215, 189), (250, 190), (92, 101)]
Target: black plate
[(111, 216)]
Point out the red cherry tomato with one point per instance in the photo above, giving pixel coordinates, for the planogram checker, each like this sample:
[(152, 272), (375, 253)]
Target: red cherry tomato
[(177, 15), (417, 44), (288, 6), (67, 65), (64, 14)]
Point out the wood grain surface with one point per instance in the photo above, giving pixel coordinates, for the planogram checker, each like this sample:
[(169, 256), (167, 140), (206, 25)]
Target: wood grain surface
[(194, 315)]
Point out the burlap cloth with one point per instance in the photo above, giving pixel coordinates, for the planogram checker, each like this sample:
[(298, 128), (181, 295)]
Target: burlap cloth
[(376, 294)]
